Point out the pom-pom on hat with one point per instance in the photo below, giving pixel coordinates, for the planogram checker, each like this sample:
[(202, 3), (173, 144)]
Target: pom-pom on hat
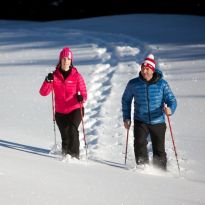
[(149, 62), (66, 53)]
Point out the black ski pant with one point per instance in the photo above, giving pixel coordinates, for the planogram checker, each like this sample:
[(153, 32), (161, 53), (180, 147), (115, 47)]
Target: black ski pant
[(68, 125), (157, 134)]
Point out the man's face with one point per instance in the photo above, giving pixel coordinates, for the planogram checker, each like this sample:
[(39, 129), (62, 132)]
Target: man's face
[(147, 73)]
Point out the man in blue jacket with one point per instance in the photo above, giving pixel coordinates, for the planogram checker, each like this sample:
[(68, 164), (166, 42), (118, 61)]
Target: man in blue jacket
[(150, 93)]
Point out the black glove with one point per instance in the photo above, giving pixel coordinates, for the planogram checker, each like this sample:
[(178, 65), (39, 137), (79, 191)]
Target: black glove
[(49, 77), (80, 98)]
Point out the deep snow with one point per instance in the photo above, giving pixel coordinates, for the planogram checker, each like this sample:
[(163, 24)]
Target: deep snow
[(108, 52)]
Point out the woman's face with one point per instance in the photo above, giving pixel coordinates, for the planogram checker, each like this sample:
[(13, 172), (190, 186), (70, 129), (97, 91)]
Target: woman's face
[(65, 63)]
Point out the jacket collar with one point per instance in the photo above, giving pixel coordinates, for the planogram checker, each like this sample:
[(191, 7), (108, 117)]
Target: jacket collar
[(156, 77)]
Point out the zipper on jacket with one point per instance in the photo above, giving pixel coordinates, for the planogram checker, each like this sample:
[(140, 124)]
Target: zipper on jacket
[(147, 88)]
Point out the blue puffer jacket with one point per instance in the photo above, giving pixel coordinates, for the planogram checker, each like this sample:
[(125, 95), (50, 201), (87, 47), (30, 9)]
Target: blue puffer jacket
[(149, 98)]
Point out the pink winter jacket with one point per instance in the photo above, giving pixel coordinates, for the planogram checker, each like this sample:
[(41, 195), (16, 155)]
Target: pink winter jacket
[(65, 91)]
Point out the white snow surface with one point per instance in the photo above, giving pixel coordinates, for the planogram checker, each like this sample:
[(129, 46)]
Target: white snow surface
[(108, 52)]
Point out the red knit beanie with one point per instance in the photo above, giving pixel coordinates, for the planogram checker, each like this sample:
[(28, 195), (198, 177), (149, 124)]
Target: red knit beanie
[(149, 62)]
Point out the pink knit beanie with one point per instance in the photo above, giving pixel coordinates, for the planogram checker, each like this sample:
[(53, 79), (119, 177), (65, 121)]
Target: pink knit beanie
[(66, 53)]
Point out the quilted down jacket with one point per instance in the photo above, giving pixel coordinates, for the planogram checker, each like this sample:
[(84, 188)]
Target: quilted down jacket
[(65, 91), (149, 98)]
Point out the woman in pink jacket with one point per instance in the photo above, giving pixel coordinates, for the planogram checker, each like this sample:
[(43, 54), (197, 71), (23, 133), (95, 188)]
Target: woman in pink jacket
[(70, 93)]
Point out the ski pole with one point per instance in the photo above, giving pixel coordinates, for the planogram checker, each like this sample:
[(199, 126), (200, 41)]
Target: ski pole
[(84, 138), (174, 146), (126, 145), (54, 120)]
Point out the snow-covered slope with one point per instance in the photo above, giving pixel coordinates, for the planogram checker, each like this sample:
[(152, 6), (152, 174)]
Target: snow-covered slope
[(108, 52)]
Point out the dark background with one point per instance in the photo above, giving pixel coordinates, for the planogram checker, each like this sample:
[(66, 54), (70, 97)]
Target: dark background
[(45, 10)]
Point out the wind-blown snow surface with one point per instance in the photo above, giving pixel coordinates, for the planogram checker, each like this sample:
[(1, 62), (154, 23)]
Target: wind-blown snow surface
[(108, 52)]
